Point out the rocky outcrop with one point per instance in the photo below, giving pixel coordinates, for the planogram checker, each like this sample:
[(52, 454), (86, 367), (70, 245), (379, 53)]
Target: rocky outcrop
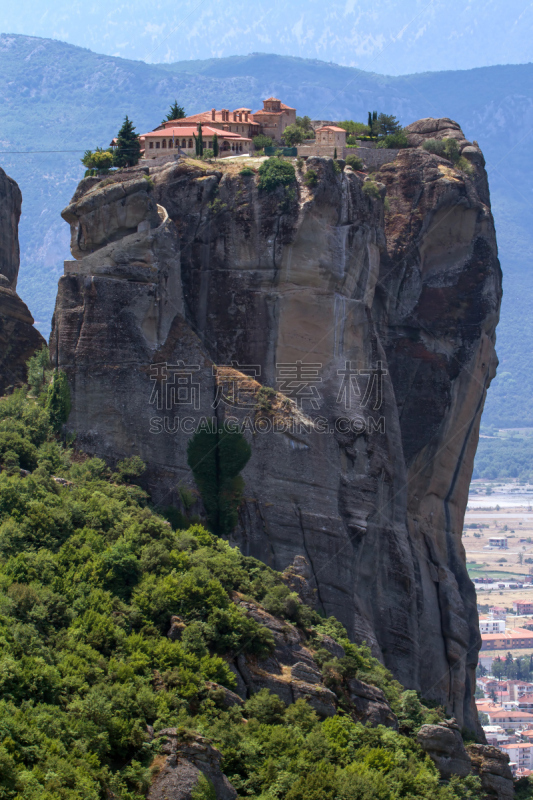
[(18, 338), (185, 757), (444, 745), (298, 577), (369, 704), (373, 321), (290, 671), (492, 766)]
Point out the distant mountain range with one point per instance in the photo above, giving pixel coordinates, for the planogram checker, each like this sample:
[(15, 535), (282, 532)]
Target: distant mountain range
[(378, 35), (56, 100)]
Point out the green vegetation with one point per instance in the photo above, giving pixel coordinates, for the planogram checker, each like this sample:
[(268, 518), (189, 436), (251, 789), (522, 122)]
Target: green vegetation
[(275, 172), (58, 401), (98, 162), (175, 112), (128, 149), (386, 125), (505, 457), (354, 162), (261, 141), (217, 206), (265, 398), (371, 189), (394, 141), (89, 579), (216, 459), (355, 129), (199, 142), (39, 370), (516, 669), (305, 124), (216, 146), (311, 178), (293, 135), (247, 171), (373, 123), (448, 148)]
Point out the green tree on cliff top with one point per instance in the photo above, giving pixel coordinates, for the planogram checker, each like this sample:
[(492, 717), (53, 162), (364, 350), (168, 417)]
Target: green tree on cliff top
[(293, 135), (175, 112), (128, 149), (99, 160)]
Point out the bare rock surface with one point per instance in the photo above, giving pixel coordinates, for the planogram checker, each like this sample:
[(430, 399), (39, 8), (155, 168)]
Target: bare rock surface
[(492, 766), (444, 745), (298, 577), (177, 626), (185, 757), (19, 339), (369, 482), (370, 705)]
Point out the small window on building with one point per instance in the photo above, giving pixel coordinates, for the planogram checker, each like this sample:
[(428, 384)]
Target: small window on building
[(164, 143), (170, 143), (157, 145), (151, 145), (183, 143), (190, 142)]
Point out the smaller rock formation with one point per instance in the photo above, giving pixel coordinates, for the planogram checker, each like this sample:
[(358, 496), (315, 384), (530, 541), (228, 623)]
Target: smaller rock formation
[(177, 626), (186, 757), (18, 338), (291, 672), (444, 745), (370, 705), (492, 766), (297, 576), (222, 695)]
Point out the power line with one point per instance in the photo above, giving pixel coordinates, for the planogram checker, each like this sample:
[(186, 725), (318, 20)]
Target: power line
[(34, 152)]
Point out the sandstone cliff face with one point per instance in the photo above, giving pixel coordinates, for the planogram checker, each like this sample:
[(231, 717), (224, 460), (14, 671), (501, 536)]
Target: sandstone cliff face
[(368, 480), (18, 338)]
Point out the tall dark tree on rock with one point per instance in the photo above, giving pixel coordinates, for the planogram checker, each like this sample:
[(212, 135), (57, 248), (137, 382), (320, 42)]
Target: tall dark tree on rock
[(199, 142), (128, 149), (175, 112)]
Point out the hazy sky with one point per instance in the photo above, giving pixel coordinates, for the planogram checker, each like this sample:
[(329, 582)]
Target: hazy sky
[(384, 36)]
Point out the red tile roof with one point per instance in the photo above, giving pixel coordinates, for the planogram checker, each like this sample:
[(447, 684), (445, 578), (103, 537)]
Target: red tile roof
[(168, 133), (518, 633), (207, 116), (515, 714), (330, 128)]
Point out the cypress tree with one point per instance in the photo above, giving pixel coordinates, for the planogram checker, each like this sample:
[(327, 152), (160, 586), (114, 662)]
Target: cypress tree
[(128, 149), (199, 142), (58, 402), (335, 154), (215, 146), (216, 458)]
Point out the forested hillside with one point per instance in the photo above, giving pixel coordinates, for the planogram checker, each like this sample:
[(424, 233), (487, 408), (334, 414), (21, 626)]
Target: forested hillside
[(91, 579)]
